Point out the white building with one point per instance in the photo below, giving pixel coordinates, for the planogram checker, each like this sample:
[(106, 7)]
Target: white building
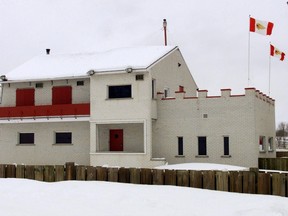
[(136, 107)]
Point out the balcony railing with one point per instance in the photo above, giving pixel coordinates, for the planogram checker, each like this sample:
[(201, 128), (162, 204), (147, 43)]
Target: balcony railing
[(45, 111)]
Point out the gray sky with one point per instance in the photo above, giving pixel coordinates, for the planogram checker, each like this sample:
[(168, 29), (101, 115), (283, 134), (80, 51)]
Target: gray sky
[(212, 36)]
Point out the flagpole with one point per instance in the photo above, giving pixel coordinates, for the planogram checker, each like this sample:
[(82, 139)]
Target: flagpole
[(269, 68), (249, 53)]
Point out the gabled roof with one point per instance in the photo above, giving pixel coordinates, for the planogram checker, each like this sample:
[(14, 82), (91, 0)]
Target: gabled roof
[(47, 67)]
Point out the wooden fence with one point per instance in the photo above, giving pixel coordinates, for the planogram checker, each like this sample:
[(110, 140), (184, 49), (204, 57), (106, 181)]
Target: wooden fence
[(273, 163), (252, 181)]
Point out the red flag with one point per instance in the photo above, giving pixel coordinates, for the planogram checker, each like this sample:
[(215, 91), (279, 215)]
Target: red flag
[(261, 27), (276, 53)]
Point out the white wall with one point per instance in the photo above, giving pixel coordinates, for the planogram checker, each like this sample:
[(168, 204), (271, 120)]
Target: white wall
[(45, 151)]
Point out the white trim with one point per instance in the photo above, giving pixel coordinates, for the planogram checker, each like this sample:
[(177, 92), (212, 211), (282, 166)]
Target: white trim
[(45, 119)]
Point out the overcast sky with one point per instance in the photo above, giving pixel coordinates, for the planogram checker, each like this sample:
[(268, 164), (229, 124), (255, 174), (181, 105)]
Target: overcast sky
[(212, 36)]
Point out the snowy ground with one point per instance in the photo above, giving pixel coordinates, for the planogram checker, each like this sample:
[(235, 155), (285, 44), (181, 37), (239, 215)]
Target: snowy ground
[(33, 198), (203, 166)]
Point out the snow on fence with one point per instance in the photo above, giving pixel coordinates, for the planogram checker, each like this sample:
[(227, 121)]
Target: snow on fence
[(253, 181)]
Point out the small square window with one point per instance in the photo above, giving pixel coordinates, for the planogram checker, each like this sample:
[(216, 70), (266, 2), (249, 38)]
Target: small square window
[(63, 137), (80, 83), (139, 77), (26, 138), (205, 115), (39, 85)]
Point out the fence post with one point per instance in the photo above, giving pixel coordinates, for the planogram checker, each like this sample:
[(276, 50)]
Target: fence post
[(20, 171), (196, 179), (81, 173), (146, 176), (170, 177), (10, 171), (49, 175), (264, 183), (113, 174), (236, 181), (70, 171), (278, 184), (30, 172), (91, 173), (39, 173), (59, 173), (183, 178), (135, 176), (209, 180), (101, 174), (158, 176), (222, 181), (124, 175), (2, 171)]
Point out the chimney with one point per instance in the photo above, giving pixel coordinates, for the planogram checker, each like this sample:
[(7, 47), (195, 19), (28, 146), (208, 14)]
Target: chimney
[(165, 33), (48, 51)]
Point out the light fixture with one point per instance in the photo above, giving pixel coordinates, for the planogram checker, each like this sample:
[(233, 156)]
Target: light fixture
[(3, 77), (91, 72), (129, 69)]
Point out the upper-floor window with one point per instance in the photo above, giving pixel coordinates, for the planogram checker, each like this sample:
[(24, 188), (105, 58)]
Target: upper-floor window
[(63, 137), (262, 143), (202, 146), (25, 97), (62, 95), (120, 91), (26, 138)]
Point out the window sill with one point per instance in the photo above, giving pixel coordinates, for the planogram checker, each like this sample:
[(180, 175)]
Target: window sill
[(226, 156), (179, 156), (62, 144), (271, 150), (202, 156), (129, 98), (262, 151), (23, 144)]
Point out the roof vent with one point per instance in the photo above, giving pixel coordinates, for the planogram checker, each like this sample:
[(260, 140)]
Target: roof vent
[(48, 51)]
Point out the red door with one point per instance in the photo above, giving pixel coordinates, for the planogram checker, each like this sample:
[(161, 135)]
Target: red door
[(116, 140), (62, 95), (25, 97)]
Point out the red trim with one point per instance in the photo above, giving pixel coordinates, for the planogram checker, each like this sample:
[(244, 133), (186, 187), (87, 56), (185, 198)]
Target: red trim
[(168, 98), (272, 50), (45, 110), (252, 24), (160, 93), (180, 91)]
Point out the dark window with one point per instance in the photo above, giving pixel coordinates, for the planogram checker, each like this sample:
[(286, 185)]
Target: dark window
[(62, 95), (139, 77), (39, 85), (226, 145), (25, 97), (202, 149), (123, 91), (26, 138), (80, 83), (63, 137), (180, 145), (153, 88)]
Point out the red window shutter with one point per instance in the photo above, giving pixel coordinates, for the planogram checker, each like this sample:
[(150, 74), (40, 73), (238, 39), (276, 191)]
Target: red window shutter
[(62, 95), (25, 97)]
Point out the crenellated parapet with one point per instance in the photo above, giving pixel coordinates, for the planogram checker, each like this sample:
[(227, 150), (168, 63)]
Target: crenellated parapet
[(225, 93)]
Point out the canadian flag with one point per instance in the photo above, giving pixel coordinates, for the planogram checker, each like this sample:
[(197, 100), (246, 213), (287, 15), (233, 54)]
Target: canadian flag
[(276, 53), (261, 27)]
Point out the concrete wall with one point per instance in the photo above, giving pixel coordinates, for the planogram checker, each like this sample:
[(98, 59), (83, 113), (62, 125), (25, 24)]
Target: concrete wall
[(213, 117), (43, 96), (44, 151)]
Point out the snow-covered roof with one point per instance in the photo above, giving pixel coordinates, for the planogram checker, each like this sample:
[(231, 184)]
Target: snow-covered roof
[(77, 65)]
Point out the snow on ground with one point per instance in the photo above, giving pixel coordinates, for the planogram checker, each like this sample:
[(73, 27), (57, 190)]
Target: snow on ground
[(202, 166), (33, 198)]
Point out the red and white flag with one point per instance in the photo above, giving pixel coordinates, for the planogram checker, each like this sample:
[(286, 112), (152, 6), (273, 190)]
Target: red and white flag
[(261, 27), (276, 53)]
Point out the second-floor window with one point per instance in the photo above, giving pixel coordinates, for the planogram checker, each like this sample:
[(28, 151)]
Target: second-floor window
[(25, 97), (121, 91), (62, 95)]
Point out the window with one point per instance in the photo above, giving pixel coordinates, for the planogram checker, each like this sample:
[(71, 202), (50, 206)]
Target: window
[(270, 144), (80, 83), (25, 97), (205, 115), (26, 138), (63, 137), (226, 145), (123, 91), (139, 77), (153, 88), (202, 148), (166, 92), (39, 85), (62, 95), (262, 143), (180, 145)]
